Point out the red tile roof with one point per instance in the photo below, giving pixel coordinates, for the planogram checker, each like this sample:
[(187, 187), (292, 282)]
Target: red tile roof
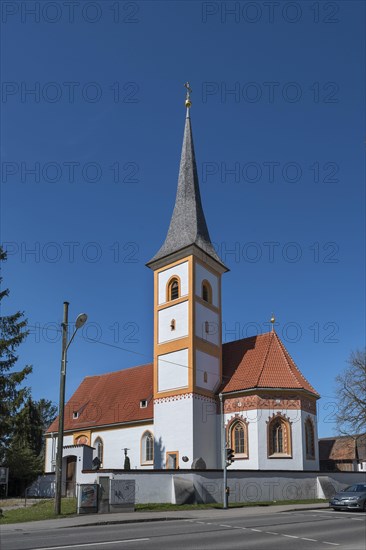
[(110, 398), (260, 362), (257, 362)]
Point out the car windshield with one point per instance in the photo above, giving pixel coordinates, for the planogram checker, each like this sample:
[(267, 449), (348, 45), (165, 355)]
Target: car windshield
[(355, 489)]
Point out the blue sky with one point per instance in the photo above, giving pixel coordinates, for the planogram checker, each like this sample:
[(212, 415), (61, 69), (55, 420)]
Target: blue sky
[(278, 123)]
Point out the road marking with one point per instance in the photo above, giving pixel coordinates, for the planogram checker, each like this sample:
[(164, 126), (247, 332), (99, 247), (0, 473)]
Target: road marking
[(311, 540), (332, 543), (91, 544), (271, 533), (221, 525), (257, 530), (290, 536), (202, 522), (357, 519)]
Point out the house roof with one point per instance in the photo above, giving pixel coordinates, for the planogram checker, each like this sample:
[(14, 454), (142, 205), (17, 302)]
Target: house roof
[(110, 398), (343, 447), (260, 362), (188, 224), (256, 362)]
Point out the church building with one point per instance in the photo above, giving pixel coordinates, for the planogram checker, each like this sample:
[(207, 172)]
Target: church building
[(172, 413)]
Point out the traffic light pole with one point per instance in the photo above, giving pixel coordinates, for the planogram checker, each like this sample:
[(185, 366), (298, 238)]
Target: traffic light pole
[(223, 448)]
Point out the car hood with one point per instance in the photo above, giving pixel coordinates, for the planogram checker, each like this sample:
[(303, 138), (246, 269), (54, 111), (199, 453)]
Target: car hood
[(348, 494)]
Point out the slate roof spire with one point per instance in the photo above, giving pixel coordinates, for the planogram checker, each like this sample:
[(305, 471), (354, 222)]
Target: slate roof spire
[(188, 224)]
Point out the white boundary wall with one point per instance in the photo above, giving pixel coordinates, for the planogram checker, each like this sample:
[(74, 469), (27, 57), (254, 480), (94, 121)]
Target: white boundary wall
[(159, 486)]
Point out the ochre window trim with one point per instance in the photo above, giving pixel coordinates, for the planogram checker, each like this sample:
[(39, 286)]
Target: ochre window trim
[(169, 288), (176, 453), (99, 440), (206, 291), (143, 448), (309, 439), (279, 438), (236, 424)]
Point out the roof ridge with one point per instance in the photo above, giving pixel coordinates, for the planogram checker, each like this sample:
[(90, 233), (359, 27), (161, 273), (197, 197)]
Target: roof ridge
[(287, 356), (265, 359), (117, 371), (246, 338)]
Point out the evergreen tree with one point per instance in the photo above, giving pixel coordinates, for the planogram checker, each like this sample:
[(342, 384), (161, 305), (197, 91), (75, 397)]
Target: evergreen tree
[(12, 395)]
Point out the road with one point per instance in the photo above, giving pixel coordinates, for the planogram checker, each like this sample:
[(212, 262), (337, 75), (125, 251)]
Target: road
[(303, 530)]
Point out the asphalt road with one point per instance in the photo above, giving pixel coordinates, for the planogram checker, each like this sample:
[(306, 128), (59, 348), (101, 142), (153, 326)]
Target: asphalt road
[(308, 530)]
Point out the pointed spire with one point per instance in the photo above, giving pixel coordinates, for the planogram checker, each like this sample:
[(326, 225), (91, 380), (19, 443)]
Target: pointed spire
[(188, 224)]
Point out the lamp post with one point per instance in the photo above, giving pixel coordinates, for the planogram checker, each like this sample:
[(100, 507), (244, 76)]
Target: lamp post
[(80, 321)]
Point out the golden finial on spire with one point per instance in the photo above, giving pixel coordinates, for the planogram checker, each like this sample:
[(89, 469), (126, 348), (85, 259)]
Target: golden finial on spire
[(188, 102), (273, 320)]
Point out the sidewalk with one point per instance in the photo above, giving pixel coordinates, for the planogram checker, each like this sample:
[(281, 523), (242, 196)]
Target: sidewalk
[(133, 517)]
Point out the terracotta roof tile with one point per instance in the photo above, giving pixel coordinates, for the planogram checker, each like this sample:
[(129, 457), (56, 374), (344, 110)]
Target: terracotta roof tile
[(110, 398), (260, 362)]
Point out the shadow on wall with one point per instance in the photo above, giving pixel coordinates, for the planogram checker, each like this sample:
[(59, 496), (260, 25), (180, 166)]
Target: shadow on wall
[(159, 454)]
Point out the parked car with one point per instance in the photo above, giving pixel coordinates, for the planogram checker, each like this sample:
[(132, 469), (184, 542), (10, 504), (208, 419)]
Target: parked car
[(351, 498)]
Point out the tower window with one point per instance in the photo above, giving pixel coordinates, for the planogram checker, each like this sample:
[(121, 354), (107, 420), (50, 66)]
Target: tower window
[(143, 404), (205, 377), (206, 292), (173, 289), (207, 327), (172, 324)]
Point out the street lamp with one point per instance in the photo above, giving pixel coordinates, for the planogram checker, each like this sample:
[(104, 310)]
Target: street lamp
[(80, 321)]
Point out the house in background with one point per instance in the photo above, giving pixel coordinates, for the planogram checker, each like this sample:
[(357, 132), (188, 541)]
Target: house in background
[(166, 415), (343, 453)]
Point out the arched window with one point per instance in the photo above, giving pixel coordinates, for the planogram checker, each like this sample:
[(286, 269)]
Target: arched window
[(98, 445), (147, 448), (206, 292), (309, 439), (173, 289), (279, 437), (238, 439)]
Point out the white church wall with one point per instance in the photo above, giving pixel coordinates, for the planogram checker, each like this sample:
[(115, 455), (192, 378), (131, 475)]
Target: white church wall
[(201, 275), (209, 364), (251, 418), (310, 464), (205, 444), (173, 370), (173, 421), (179, 313), (295, 462), (116, 440), (51, 449), (204, 314), (181, 270)]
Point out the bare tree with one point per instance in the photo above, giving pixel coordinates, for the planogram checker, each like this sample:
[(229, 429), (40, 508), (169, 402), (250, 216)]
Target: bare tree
[(351, 393)]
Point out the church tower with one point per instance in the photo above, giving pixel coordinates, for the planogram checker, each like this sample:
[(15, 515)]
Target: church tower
[(187, 328)]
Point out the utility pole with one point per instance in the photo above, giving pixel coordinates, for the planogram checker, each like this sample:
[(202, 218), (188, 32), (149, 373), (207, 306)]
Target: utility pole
[(60, 435), (223, 453)]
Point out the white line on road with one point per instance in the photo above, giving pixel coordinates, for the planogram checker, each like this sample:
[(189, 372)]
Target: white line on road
[(221, 525), (332, 543), (257, 530), (91, 544), (311, 540), (290, 536), (272, 533)]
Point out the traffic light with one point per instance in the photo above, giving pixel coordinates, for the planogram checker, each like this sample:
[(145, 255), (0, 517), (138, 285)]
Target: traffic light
[(229, 456)]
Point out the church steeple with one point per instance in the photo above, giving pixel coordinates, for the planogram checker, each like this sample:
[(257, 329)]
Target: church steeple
[(188, 224)]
